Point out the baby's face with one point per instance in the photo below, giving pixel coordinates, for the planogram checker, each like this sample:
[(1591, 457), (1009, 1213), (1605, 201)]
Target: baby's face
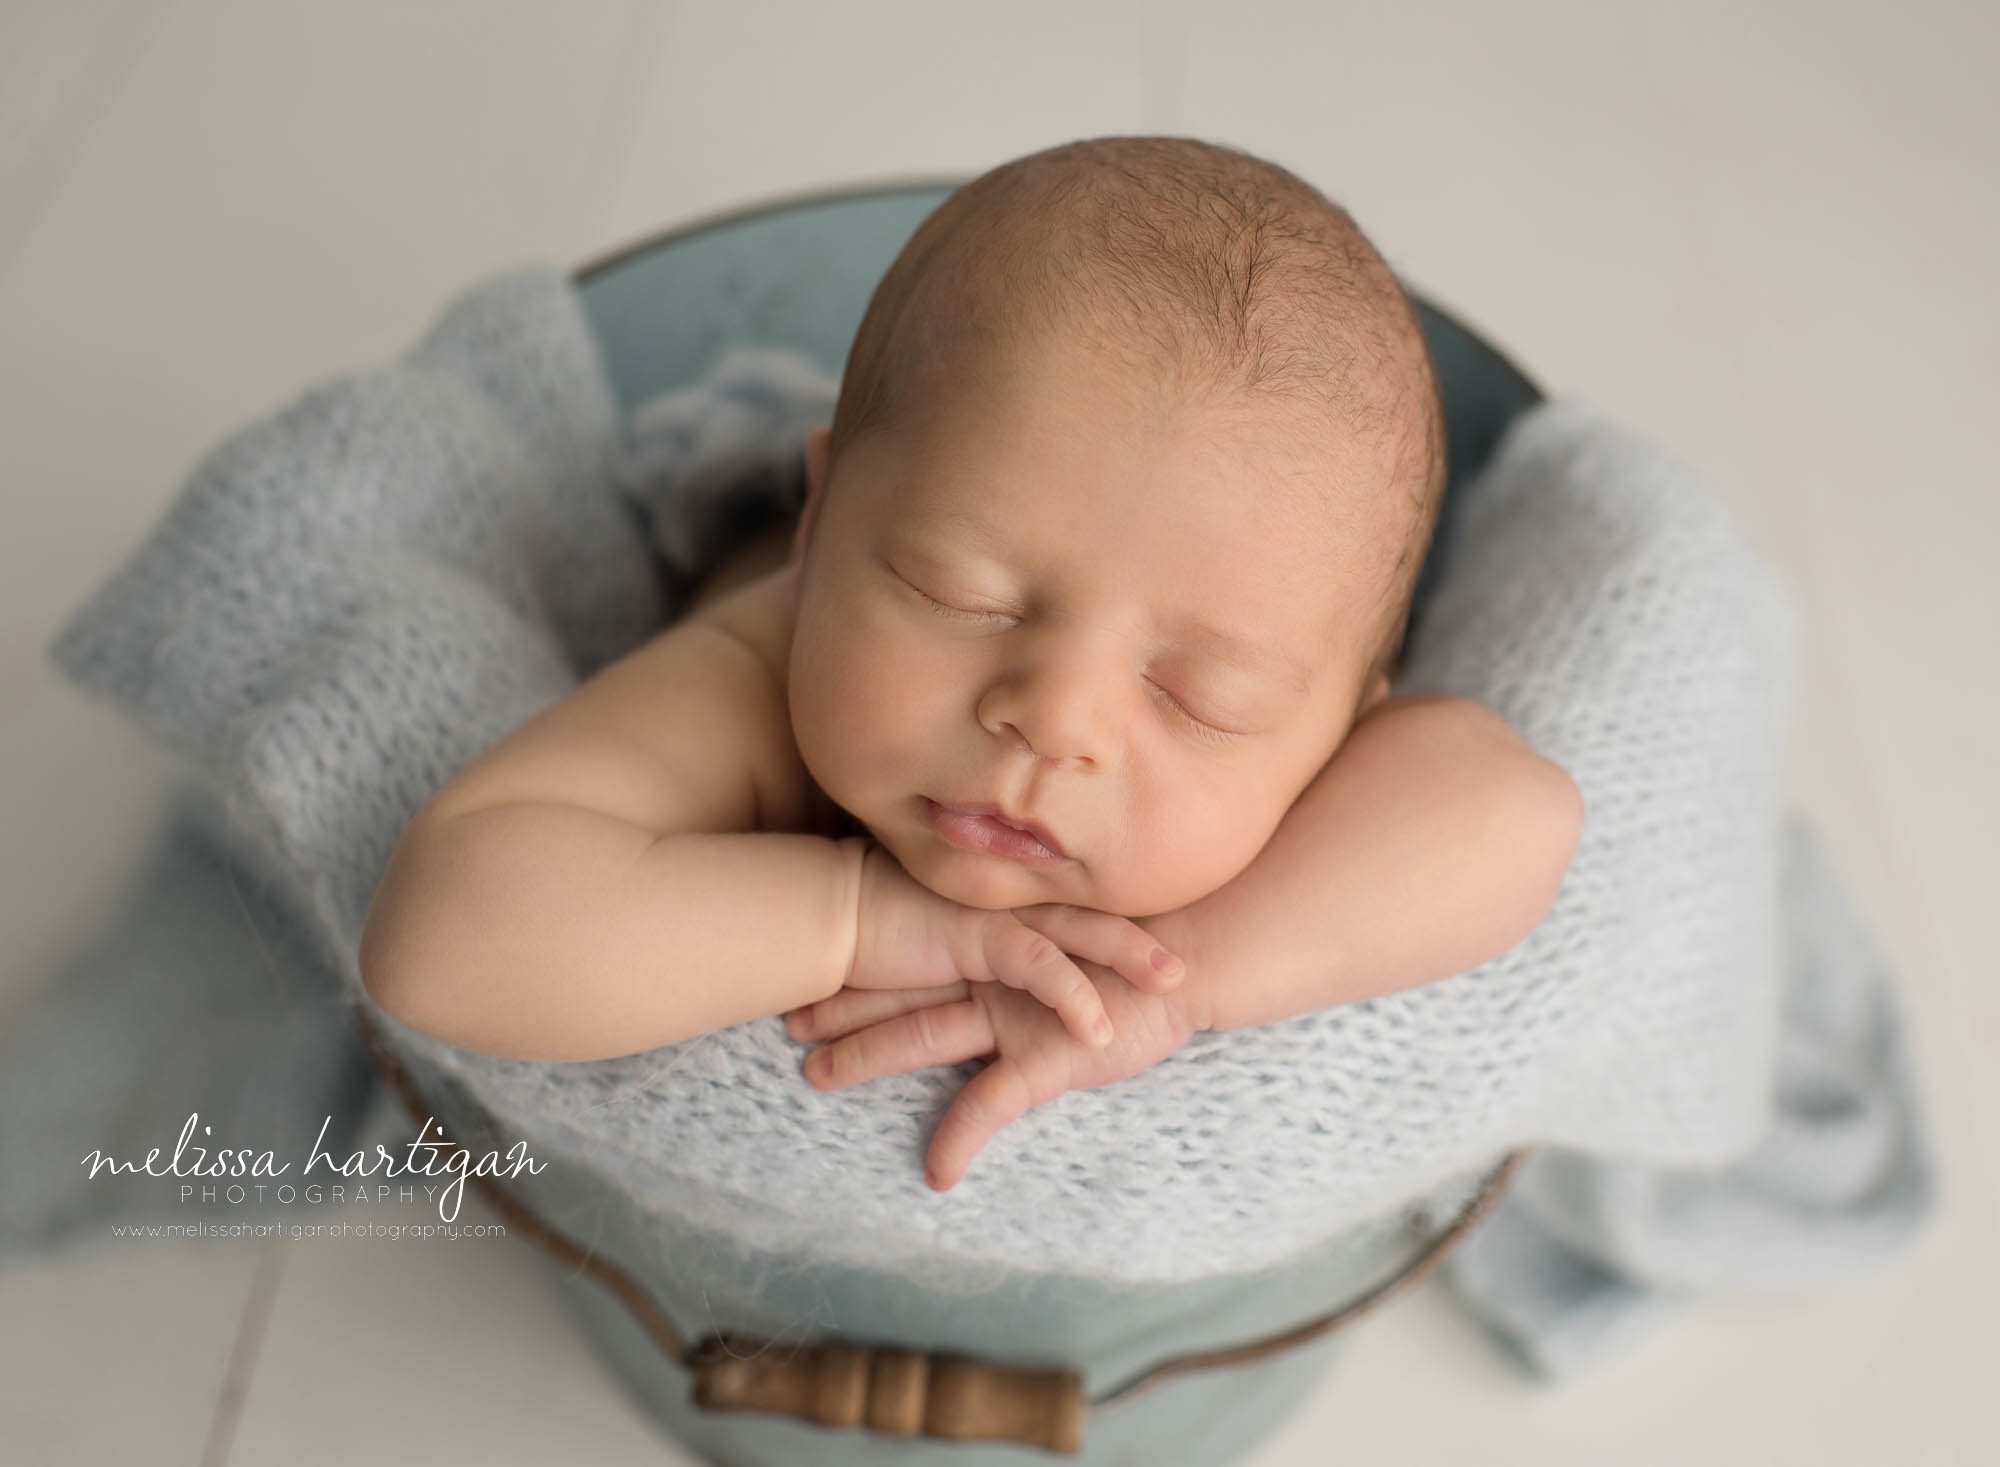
[(1141, 629)]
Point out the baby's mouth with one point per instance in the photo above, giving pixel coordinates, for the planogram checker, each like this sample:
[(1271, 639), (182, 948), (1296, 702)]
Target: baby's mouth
[(981, 828)]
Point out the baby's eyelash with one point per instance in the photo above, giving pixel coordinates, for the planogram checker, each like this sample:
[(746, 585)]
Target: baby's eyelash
[(952, 611), (1202, 728)]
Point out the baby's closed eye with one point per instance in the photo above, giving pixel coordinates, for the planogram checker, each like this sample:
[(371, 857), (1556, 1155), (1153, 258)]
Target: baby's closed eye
[(1194, 712)]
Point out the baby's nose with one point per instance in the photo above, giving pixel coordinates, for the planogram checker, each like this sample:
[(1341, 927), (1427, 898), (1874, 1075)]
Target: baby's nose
[(1068, 720), (1023, 742)]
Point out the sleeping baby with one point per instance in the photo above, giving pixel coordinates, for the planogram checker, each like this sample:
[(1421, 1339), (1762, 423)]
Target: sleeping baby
[(1058, 728)]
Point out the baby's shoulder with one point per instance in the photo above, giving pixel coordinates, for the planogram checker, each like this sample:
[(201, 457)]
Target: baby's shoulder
[(757, 614), (758, 617), (760, 614)]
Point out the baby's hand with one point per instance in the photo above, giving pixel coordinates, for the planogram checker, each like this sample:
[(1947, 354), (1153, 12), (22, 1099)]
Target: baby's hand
[(1034, 1058), (910, 937)]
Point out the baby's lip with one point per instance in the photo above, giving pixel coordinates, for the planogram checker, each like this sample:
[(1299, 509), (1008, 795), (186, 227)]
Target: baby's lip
[(1020, 822)]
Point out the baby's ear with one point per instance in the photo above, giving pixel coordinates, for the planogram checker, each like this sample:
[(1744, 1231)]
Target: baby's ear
[(816, 446), (1377, 691), (816, 443)]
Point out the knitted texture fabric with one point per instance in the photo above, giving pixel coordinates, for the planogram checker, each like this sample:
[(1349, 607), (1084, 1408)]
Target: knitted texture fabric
[(352, 598)]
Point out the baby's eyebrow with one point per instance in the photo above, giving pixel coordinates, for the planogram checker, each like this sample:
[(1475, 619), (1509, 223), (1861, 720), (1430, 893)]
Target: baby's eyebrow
[(1247, 650), (1233, 646)]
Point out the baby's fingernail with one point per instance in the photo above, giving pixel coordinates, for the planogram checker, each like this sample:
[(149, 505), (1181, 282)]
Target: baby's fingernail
[(1165, 961), (1101, 1031)]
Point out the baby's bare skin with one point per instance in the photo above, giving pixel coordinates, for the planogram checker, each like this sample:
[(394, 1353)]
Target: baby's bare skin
[(515, 865), (669, 851), (746, 595)]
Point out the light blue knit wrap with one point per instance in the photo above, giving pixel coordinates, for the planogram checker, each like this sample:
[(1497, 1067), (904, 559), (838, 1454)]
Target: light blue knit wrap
[(353, 597)]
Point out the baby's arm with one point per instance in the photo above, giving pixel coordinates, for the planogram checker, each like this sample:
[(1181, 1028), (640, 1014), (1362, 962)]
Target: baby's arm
[(1434, 840), (596, 884)]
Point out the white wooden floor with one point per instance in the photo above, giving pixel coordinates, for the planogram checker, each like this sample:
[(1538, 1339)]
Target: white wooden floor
[(1762, 232)]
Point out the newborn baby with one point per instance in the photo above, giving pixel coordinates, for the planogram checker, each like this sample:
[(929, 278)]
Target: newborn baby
[(1077, 663)]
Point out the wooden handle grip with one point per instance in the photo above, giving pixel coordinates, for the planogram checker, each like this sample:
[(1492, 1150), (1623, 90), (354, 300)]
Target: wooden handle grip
[(895, 1392)]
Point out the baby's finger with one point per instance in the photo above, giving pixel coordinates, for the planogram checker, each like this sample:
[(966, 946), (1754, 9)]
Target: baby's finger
[(942, 1034), (857, 1008), (1023, 958), (1117, 943), (991, 1101)]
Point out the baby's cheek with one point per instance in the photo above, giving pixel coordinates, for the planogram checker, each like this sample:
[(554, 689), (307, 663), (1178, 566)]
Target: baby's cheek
[(1183, 844), (857, 713)]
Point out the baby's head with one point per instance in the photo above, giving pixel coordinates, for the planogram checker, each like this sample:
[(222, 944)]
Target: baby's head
[(1136, 459)]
